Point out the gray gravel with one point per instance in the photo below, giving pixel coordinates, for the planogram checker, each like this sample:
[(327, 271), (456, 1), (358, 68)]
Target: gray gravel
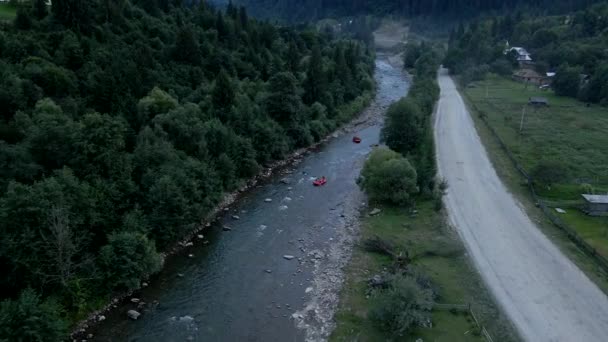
[(546, 296)]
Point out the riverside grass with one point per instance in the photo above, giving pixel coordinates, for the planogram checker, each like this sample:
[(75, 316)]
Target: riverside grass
[(437, 253)]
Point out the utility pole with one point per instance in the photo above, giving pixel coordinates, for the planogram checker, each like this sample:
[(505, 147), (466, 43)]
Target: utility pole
[(523, 115)]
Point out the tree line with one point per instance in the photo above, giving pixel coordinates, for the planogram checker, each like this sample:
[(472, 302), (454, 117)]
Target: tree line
[(123, 123), (407, 169), (298, 10), (571, 45)]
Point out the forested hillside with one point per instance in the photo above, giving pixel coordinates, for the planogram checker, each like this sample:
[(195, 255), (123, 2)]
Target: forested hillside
[(122, 123), (297, 10), (574, 46)]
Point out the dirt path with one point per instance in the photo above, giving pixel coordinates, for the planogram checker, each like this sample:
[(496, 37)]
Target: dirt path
[(546, 296)]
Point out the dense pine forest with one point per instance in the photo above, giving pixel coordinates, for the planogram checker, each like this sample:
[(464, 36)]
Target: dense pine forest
[(123, 123), (298, 10), (573, 46)]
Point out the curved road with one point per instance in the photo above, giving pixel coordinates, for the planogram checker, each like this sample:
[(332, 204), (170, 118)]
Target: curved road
[(546, 296)]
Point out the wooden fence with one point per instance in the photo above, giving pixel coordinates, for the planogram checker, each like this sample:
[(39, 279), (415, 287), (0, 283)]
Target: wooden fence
[(468, 309)]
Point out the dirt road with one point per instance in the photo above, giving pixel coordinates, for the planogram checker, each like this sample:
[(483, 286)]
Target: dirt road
[(546, 296)]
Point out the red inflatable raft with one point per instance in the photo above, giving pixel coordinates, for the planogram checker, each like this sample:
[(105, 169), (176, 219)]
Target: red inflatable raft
[(357, 140), (319, 181)]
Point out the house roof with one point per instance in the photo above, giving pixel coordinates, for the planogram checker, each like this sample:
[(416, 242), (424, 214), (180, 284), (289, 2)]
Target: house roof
[(520, 50), (522, 54), (597, 199), (527, 73)]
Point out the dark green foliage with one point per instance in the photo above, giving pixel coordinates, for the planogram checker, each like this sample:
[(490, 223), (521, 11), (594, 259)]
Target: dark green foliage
[(412, 53), (314, 86), (40, 9), (299, 10), (573, 46), (223, 93), (388, 177), (123, 123), (28, 318), (548, 172), (402, 306), (72, 13), (23, 20), (404, 126), (283, 103), (126, 259), (567, 81), (408, 127)]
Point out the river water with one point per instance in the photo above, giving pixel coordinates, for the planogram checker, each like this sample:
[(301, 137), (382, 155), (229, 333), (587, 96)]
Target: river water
[(236, 285)]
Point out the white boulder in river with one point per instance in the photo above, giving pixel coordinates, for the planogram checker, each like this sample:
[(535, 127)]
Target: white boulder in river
[(134, 315), (186, 319)]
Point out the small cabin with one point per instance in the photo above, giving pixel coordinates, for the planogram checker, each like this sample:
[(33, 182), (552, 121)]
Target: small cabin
[(596, 205), (538, 101), (528, 76)]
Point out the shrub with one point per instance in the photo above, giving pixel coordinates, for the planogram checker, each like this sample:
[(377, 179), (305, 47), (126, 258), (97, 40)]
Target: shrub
[(502, 67), (476, 73), (127, 258), (548, 173), (403, 130), (402, 306), (30, 319), (388, 177)]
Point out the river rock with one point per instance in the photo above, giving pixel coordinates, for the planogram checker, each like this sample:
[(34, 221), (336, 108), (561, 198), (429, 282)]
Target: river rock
[(285, 181), (144, 284), (268, 271), (283, 207), (376, 211), (226, 228), (90, 336), (101, 318), (134, 300), (288, 257), (186, 319), (190, 255), (134, 315), (200, 236), (268, 200), (180, 275), (377, 281), (287, 199), (236, 217)]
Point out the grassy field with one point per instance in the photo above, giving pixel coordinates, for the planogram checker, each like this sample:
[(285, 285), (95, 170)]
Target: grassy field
[(518, 186), (438, 254), (567, 132), (7, 12)]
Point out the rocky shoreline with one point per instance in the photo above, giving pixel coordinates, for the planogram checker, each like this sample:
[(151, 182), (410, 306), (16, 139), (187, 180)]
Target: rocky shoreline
[(280, 167)]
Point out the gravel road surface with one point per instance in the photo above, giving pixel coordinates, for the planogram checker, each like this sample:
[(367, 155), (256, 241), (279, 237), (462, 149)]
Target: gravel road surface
[(546, 296)]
